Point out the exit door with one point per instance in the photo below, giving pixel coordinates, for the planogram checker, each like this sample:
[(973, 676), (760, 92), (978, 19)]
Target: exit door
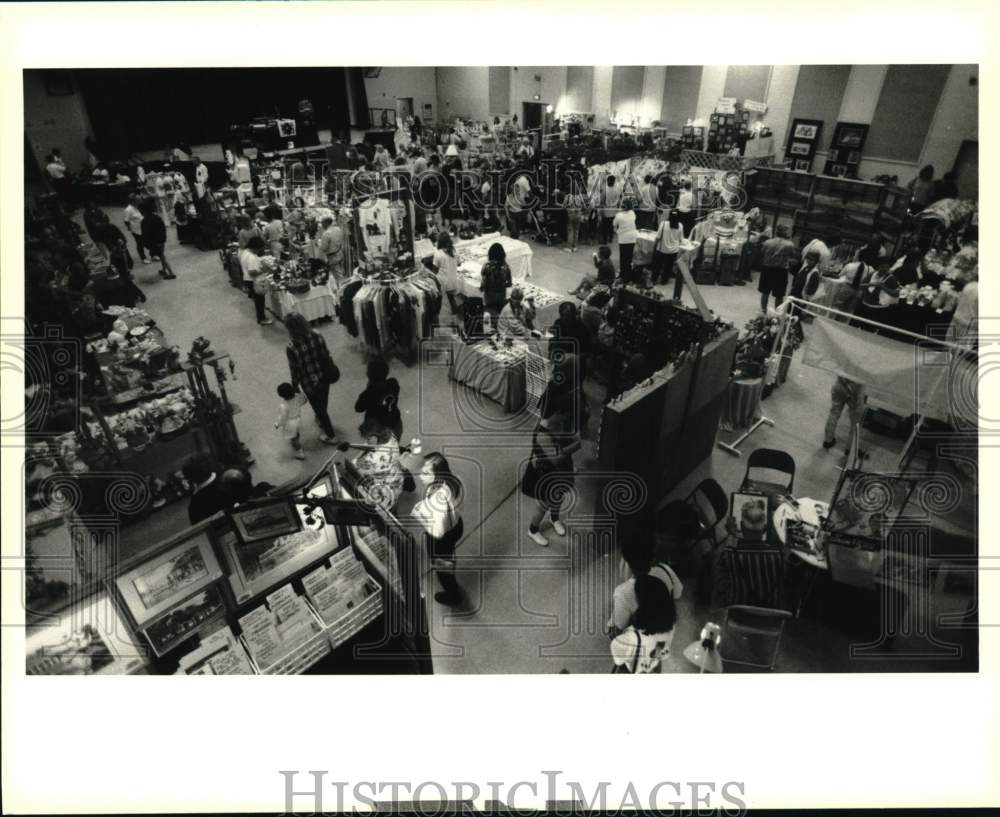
[(404, 108), (533, 115)]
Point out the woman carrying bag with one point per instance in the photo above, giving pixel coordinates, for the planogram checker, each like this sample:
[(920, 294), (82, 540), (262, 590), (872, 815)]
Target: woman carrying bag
[(312, 369), (646, 641), (440, 514), (549, 475)]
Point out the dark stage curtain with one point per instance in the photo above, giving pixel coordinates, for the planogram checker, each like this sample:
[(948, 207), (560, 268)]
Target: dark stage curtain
[(144, 108)]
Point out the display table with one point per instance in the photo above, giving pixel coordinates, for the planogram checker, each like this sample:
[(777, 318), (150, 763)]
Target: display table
[(742, 404), (316, 304), (473, 253), (496, 373)]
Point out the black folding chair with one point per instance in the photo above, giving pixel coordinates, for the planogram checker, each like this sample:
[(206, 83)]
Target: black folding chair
[(769, 459), (712, 505)]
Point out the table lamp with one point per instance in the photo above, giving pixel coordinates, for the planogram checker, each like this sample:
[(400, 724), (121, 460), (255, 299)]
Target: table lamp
[(704, 653)]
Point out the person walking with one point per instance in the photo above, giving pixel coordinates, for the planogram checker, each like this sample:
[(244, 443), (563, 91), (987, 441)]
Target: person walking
[(575, 204), (610, 198), (311, 368), (626, 232), (548, 477), (667, 247), (776, 256), (154, 237), (440, 515), (848, 393), (133, 222), (253, 282)]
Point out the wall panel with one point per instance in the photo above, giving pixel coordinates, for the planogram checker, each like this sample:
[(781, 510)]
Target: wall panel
[(626, 88), (910, 95), (500, 89), (579, 88), (747, 82), (680, 95), (818, 95)]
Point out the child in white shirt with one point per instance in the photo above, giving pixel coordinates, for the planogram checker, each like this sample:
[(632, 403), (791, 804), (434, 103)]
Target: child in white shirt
[(290, 416)]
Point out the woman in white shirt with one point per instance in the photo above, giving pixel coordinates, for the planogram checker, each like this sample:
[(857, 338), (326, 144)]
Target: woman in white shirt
[(669, 235), (625, 230), (440, 515), (646, 641), (445, 265)]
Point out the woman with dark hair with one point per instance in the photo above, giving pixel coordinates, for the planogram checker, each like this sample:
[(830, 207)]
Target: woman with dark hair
[(922, 188), (380, 399), (549, 475), (247, 230), (154, 237), (642, 645), (669, 235), (908, 272), (495, 280), (440, 514), (311, 368)]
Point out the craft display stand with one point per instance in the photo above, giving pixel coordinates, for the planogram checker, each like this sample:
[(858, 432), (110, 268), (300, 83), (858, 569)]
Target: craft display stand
[(826, 206)]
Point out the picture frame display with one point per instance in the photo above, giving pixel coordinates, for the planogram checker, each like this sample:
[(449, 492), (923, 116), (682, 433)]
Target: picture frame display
[(803, 164), (255, 567), (166, 579), (265, 520), (185, 620), (801, 149), (850, 135), (88, 639), (805, 131)]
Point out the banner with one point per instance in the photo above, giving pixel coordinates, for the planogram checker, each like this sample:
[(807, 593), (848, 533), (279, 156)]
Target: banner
[(910, 378)]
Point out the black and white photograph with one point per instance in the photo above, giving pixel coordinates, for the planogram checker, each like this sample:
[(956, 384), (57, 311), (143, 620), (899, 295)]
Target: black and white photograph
[(628, 368)]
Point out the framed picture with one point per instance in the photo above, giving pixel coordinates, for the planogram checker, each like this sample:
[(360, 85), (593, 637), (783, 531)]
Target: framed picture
[(800, 149), (854, 157), (185, 620), (87, 639), (838, 170), (803, 164), (267, 519), (850, 135), (257, 567), (175, 573), (806, 129)]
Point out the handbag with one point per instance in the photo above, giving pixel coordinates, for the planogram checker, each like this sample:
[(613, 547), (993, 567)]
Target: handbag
[(633, 665), (330, 370)]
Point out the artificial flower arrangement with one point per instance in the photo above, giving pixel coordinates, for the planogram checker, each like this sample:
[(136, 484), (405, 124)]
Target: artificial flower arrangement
[(759, 340), (943, 298), (960, 268)]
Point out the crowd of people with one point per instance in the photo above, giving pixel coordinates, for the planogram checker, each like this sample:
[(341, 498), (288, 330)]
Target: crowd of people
[(644, 612)]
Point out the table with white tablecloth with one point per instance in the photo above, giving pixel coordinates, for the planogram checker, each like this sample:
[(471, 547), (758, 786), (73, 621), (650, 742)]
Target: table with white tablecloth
[(318, 303), (472, 253)]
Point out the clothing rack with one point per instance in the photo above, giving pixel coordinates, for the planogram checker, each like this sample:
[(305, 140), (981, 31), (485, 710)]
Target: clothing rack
[(391, 316)]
